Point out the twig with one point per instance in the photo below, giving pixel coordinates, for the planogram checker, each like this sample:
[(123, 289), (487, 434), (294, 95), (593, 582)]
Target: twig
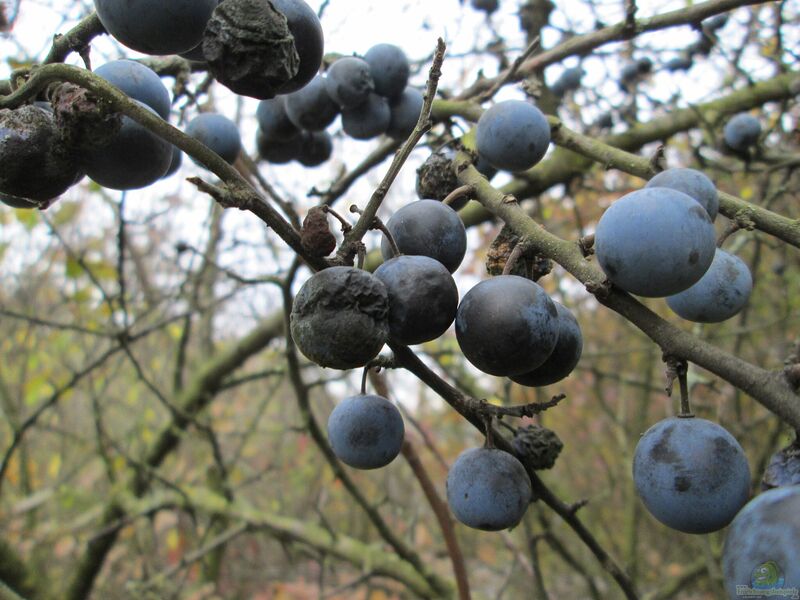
[(76, 40), (516, 253), (510, 73), (6, 593), (586, 244), (51, 401), (353, 237), (442, 514), (250, 167), (55, 324), (586, 43), (378, 224), (630, 18), (346, 226), (522, 410), (192, 557)]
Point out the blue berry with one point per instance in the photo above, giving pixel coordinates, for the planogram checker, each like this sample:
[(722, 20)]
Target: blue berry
[(389, 67), (428, 228), (741, 132), (563, 358), (507, 325), (349, 81), (217, 132), (488, 489), (139, 82), (693, 183), (36, 164), (273, 120), (655, 242), (763, 545), (156, 26), (366, 431), (316, 147), (512, 135), (691, 474), (406, 109), (570, 80), (719, 294), (340, 317), (132, 158), (367, 120), (309, 41), (311, 108), (423, 298), (279, 151)]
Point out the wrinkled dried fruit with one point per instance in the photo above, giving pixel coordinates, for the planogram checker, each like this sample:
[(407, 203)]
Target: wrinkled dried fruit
[(436, 177), (340, 317), (249, 48), (529, 265), (316, 236), (36, 162), (541, 446)]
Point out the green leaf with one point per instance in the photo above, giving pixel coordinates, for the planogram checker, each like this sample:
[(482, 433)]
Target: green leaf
[(72, 268), (28, 218)]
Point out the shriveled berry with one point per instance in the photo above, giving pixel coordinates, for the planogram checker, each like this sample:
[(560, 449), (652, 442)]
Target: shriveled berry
[(340, 317)]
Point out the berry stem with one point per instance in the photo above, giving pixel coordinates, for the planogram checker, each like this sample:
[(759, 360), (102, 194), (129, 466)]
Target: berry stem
[(345, 225), (686, 409), (515, 255), (489, 431), (364, 373), (381, 226), (458, 193)]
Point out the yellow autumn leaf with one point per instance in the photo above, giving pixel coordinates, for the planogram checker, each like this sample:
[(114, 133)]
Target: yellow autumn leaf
[(12, 472), (147, 435), (54, 466), (173, 539)]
